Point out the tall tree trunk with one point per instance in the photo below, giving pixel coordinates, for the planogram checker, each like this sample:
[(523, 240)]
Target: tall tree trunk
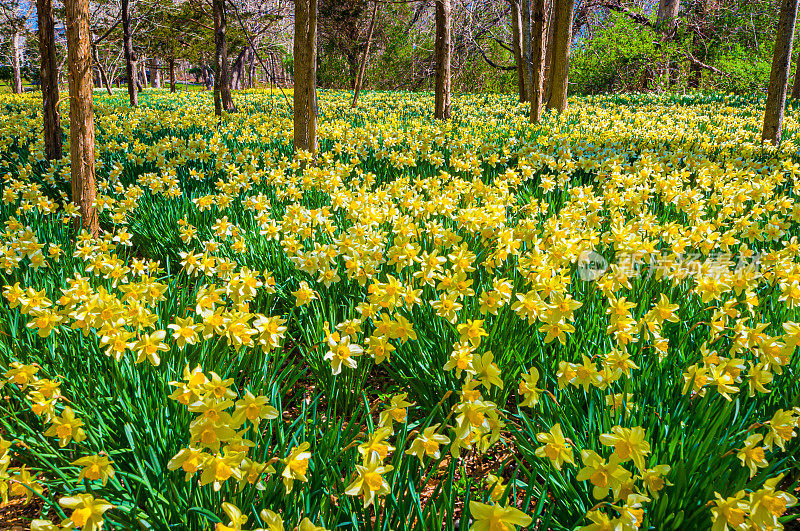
[(137, 76), (779, 75), (16, 38), (695, 77), (666, 17), (81, 112), (60, 69), (363, 66), (674, 73), (695, 72), (548, 51), (143, 73), (208, 77), (111, 74), (537, 58), (305, 75), (103, 76), (516, 36), (272, 71), (526, 33), (559, 62), (252, 73), (796, 86), (238, 70), (222, 87), (155, 73), (351, 58), (172, 74), (443, 50), (130, 55), (49, 79)]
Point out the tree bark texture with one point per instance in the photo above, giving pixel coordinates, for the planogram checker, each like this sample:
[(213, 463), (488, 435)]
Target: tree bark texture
[(143, 73), (208, 78), (222, 79), (548, 53), (796, 85), (443, 46), (130, 57), (16, 66), (666, 24), (538, 44), (81, 113), (60, 69), (363, 66), (252, 72), (48, 76), (559, 64), (666, 16), (779, 74), (172, 74), (238, 72), (155, 73), (526, 33), (351, 58), (516, 37), (305, 75)]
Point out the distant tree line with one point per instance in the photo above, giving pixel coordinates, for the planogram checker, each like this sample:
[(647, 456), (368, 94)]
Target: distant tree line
[(539, 43), (616, 45)]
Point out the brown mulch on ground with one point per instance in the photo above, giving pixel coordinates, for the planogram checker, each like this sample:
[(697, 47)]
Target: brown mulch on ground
[(475, 467), (17, 516)]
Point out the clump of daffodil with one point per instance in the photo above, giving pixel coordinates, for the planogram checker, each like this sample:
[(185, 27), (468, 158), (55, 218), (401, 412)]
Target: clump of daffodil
[(218, 447), (760, 509)]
